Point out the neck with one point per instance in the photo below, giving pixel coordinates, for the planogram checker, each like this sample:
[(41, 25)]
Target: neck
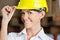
[(34, 30)]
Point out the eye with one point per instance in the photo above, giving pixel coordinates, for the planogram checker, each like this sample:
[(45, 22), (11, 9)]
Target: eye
[(29, 12), (22, 13)]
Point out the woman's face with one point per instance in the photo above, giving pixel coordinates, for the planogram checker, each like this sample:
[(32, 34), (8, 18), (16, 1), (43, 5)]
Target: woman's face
[(30, 18)]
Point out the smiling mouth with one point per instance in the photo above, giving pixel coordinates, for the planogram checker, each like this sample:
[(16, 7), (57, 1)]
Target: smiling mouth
[(26, 22)]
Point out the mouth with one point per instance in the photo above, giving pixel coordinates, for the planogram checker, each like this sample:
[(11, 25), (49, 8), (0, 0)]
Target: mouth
[(26, 22)]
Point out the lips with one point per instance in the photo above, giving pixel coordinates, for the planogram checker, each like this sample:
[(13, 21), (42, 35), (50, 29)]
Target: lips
[(26, 22)]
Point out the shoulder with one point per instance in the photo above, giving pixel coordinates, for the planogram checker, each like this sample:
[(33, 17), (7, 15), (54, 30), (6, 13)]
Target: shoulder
[(48, 37), (44, 36), (13, 34), (17, 34)]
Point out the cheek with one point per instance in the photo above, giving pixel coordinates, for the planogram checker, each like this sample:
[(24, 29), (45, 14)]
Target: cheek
[(22, 18), (34, 18)]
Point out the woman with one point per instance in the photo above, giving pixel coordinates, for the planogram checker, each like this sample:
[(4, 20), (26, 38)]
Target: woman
[(31, 19)]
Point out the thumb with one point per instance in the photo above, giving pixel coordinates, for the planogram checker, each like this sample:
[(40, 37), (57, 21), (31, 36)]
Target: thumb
[(12, 12)]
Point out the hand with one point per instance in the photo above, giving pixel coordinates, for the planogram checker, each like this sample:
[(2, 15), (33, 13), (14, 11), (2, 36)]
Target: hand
[(7, 13)]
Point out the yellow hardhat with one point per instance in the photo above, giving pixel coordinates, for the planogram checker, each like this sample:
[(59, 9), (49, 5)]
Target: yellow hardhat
[(32, 4)]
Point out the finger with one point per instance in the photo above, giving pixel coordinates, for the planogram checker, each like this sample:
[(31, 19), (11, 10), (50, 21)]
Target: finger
[(14, 7), (9, 9), (6, 9), (12, 11), (3, 11)]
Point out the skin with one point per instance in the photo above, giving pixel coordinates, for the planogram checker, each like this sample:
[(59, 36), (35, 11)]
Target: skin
[(31, 20), (7, 13)]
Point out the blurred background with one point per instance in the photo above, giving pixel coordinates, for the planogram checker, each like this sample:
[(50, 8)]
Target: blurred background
[(50, 23)]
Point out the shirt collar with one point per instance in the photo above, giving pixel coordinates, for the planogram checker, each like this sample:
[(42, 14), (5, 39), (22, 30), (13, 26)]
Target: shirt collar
[(23, 31), (41, 32), (41, 35)]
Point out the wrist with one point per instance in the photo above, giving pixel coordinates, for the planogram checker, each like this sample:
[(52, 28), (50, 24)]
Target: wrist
[(4, 22)]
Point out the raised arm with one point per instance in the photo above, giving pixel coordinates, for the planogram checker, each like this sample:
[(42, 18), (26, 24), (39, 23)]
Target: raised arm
[(7, 13)]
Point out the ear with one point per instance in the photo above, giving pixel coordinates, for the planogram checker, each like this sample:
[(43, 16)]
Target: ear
[(42, 14)]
